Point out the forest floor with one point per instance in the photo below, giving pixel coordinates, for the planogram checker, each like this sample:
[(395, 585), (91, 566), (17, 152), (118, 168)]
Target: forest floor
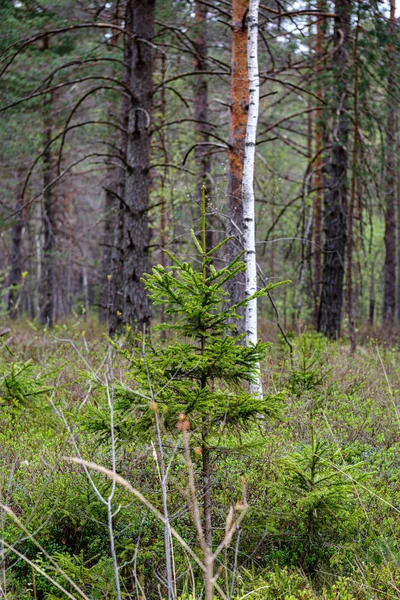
[(322, 481)]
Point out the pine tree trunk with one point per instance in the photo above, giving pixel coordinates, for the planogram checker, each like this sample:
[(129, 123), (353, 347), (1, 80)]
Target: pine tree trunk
[(201, 152), (108, 240), (237, 139), (49, 227), (47, 282), (136, 238), (48, 254), (349, 279), (371, 308), (319, 144), (249, 224), (335, 209), (389, 297), (163, 180), (115, 321), (305, 272), (16, 254), (397, 178), (200, 100)]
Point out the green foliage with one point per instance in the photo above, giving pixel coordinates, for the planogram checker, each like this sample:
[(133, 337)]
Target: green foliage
[(205, 371), (337, 429), (309, 372), (279, 583), (287, 584), (94, 578), (199, 380), (320, 485), (21, 386)]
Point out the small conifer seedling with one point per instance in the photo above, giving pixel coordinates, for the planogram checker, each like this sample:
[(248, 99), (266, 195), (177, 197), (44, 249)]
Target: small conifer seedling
[(204, 373)]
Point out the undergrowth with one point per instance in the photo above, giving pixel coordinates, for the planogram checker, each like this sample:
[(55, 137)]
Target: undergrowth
[(321, 481)]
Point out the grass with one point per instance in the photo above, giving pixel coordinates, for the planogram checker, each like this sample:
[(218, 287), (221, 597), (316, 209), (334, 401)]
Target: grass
[(298, 540)]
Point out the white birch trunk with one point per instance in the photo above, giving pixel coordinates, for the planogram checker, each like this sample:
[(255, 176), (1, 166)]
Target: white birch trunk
[(248, 181), (38, 248), (85, 289)]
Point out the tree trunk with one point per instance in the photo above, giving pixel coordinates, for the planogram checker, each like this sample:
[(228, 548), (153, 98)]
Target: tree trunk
[(335, 209), (115, 321), (237, 139), (305, 272), (201, 153), (16, 255), (49, 224), (85, 285), (389, 297), (163, 179), (349, 279), (397, 178), (371, 308), (38, 258), (47, 284), (108, 239), (136, 306), (319, 145), (248, 182)]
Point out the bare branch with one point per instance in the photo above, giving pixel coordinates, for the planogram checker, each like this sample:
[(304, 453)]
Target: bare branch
[(47, 34), (64, 84), (73, 111), (62, 133), (224, 146)]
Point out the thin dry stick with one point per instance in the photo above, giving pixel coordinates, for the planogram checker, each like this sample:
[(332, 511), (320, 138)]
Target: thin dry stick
[(163, 473), (233, 529), (111, 496), (232, 525), (235, 565), (146, 503)]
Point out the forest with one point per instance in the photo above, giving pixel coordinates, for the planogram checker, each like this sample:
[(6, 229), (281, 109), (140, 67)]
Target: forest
[(199, 299)]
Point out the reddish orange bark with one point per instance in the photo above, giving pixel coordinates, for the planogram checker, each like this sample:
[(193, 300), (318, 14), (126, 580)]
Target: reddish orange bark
[(239, 105), (237, 133)]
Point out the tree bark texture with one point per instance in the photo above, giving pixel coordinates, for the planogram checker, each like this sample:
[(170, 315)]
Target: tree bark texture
[(352, 222), (335, 209), (116, 296), (200, 103), (136, 233), (237, 139), (16, 254), (201, 114), (49, 224), (249, 231), (319, 145), (163, 180), (49, 237), (389, 294), (371, 306), (110, 217), (397, 180)]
